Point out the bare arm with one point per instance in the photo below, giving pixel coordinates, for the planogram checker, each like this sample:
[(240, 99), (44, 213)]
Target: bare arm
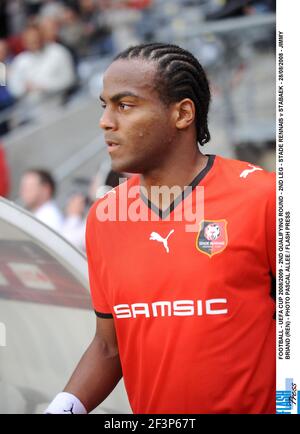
[(99, 369)]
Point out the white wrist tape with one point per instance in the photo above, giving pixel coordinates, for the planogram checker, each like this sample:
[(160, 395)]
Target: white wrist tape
[(66, 403)]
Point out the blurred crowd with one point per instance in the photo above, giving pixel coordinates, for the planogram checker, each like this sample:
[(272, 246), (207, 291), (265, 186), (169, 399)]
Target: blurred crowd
[(37, 194), (42, 41), (41, 44)]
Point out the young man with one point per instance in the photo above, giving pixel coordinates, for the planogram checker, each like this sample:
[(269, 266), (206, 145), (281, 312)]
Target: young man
[(186, 316)]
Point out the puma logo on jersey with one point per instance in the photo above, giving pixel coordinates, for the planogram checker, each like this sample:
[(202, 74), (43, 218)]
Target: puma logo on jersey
[(70, 410), (156, 237), (246, 172)]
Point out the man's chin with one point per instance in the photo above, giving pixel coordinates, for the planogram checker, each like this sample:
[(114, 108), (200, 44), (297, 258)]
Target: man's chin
[(124, 166)]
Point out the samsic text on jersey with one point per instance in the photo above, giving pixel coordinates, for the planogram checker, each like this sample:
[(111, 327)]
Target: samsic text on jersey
[(193, 312)]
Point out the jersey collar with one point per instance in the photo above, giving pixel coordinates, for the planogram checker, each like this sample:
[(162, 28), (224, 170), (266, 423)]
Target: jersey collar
[(164, 213)]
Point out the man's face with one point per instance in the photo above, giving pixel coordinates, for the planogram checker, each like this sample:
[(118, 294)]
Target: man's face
[(138, 127), (50, 29), (31, 191), (87, 5), (32, 40)]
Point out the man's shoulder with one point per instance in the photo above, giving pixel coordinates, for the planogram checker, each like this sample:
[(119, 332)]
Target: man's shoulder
[(50, 210), (246, 176), (22, 60)]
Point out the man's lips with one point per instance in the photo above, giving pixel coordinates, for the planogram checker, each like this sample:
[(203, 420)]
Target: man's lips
[(112, 145)]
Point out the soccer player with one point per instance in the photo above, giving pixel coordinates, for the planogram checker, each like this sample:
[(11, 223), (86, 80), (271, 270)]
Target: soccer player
[(185, 316)]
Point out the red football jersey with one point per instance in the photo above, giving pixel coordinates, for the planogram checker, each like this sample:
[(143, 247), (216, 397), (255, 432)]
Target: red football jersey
[(193, 310)]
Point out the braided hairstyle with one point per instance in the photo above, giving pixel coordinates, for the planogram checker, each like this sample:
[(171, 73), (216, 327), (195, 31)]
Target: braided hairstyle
[(179, 75)]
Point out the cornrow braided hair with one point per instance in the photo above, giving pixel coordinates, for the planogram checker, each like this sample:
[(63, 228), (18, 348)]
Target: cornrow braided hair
[(179, 75)]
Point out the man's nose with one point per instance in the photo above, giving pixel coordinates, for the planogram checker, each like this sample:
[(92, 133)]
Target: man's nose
[(106, 121)]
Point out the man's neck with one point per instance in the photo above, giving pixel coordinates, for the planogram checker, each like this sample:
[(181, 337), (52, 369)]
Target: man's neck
[(179, 173)]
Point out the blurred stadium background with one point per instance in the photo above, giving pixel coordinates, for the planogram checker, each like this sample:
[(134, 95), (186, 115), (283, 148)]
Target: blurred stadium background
[(56, 129)]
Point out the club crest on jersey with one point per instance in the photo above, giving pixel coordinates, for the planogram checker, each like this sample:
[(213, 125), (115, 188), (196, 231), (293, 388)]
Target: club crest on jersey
[(212, 237)]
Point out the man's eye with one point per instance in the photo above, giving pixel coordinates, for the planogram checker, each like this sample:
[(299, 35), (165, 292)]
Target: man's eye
[(124, 106), (103, 105)]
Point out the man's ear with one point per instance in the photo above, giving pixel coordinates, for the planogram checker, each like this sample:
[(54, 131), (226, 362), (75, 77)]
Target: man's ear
[(184, 113)]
